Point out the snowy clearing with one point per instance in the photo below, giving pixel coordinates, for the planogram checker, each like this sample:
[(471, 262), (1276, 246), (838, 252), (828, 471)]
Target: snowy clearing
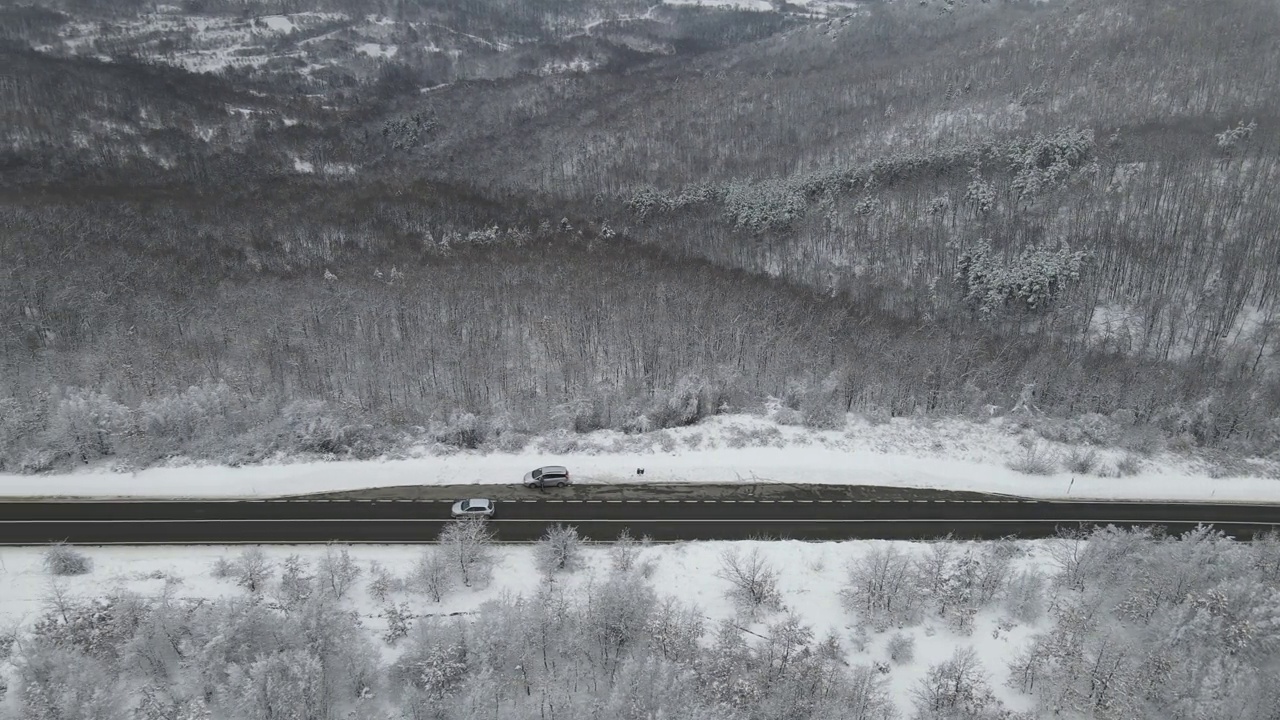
[(810, 578), (377, 50), (712, 630), (943, 455)]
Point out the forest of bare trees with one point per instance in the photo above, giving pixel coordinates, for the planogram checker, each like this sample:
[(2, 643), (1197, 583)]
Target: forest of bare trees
[(686, 232)]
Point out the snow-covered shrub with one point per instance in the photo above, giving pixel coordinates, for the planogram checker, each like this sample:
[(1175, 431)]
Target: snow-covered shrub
[(1266, 558), (1034, 459), (560, 442), (1123, 418), (684, 406), (1098, 429), (36, 460), (251, 570), (559, 549), (8, 637), (737, 436), (337, 572), (432, 574), (383, 583), (828, 415), (310, 426), (62, 560), (55, 683), (615, 617), (753, 583), (581, 415), (19, 423), (1024, 596), (787, 416), (902, 648), (1081, 461), (624, 552), (287, 685), (222, 568), (956, 689), (296, 586), (434, 664), (100, 627), (1143, 439), (957, 581), (1128, 464), (199, 412), (510, 441), (399, 618), (883, 589), (87, 424), (463, 430), (674, 630)]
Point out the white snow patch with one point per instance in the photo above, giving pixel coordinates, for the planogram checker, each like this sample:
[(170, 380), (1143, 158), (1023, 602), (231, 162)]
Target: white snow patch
[(757, 5), (302, 166), (576, 65), (279, 23), (377, 50)]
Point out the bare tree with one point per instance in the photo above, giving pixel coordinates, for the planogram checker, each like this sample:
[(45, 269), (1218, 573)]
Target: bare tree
[(955, 689), (252, 570), (468, 544), (883, 589), (753, 583), (560, 549), (337, 572), (624, 551), (296, 585), (433, 573), (1024, 596)]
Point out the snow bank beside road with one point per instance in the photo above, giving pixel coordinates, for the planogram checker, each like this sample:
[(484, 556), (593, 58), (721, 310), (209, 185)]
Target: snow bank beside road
[(738, 449)]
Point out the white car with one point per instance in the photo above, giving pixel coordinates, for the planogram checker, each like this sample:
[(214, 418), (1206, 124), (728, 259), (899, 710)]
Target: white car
[(475, 507)]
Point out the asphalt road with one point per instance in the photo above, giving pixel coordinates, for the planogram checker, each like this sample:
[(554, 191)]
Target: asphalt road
[(403, 521)]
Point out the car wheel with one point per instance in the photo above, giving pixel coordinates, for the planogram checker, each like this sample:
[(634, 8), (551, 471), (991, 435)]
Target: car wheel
[(560, 484)]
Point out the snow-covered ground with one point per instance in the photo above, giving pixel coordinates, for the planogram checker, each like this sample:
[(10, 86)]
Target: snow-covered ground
[(736, 449), (810, 577)]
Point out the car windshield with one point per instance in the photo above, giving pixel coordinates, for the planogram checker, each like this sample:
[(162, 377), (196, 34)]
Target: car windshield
[(537, 473)]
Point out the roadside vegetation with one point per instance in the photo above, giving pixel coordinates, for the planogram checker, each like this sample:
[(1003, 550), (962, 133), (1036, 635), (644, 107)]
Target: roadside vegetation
[(1108, 624)]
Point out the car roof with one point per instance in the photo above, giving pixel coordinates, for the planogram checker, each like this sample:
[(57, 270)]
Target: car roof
[(554, 469), (479, 501)]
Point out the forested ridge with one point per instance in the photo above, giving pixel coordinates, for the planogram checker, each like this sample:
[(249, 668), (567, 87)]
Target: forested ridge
[(936, 208)]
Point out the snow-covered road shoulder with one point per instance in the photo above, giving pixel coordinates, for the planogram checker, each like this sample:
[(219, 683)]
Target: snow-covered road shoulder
[(738, 449)]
